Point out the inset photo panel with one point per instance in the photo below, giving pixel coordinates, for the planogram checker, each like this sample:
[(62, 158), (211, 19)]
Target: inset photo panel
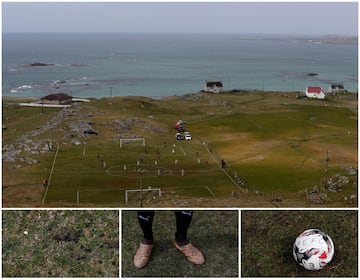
[(299, 243), (60, 243), (180, 243)]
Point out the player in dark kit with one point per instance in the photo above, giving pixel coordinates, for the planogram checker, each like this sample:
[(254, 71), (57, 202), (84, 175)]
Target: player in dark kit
[(181, 242)]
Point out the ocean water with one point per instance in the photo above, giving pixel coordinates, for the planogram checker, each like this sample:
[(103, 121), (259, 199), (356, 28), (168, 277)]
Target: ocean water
[(155, 65)]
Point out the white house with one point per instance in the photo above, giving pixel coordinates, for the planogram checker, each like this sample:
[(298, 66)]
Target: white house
[(336, 87), (315, 92), (215, 87)]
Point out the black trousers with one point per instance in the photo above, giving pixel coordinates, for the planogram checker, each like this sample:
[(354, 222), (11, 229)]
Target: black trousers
[(183, 220)]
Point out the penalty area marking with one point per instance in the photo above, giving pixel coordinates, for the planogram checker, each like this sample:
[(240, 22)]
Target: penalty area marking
[(132, 171), (197, 186), (210, 191), (94, 190), (140, 191)]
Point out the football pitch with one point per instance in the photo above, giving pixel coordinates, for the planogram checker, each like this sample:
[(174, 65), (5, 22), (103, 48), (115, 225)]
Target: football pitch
[(134, 175), (279, 151)]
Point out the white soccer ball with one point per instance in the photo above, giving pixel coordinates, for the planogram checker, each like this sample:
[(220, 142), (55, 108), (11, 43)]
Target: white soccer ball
[(313, 249)]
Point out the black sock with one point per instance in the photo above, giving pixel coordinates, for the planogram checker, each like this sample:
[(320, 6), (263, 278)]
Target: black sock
[(145, 219), (183, 220)]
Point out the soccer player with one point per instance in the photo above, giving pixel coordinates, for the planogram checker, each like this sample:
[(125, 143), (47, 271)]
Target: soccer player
[(181, 242)]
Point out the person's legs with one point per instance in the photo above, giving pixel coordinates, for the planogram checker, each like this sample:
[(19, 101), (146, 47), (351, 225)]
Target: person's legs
[(143, 253), (182, 243), (183, 220)]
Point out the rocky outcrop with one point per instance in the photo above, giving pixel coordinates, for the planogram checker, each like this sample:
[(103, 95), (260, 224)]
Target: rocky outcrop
[(34, 64), (74, 126), (335, 184)]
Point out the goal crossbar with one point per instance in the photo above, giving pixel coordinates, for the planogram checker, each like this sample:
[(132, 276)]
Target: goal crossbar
[(126, 140)]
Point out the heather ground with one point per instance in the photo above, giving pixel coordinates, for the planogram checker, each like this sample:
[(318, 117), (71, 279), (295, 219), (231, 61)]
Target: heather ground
[(267, 239), (60, 243), (215, 233)]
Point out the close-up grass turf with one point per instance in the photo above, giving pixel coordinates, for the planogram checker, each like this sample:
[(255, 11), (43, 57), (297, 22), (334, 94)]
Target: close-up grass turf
[(215, 233), (267, 239), (60, 243)]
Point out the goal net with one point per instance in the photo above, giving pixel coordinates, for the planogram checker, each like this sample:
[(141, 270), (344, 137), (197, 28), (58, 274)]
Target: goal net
[(132, 142)]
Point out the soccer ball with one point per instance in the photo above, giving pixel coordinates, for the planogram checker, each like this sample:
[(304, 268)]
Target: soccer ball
[(313, 249)]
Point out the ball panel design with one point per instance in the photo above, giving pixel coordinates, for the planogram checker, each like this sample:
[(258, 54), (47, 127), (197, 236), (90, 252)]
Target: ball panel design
[(313, 249)]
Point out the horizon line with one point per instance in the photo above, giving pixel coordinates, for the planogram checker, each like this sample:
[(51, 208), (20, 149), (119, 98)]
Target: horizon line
[(181, 33)]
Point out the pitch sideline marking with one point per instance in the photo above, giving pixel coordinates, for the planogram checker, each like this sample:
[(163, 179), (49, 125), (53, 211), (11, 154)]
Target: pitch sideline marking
[(182, 151), (51, 172), (231, 179)]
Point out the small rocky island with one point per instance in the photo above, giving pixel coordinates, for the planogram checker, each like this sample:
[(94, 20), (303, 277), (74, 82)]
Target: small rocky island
[(35, 64)]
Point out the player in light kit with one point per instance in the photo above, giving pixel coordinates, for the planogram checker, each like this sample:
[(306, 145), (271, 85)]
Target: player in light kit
[(181, 242)]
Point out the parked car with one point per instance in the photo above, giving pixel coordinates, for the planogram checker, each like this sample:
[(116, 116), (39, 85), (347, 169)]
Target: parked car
[(187, 136), (178, 136), (180, 129)]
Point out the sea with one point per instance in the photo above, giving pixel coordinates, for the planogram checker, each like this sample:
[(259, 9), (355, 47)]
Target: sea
[(96, 65)]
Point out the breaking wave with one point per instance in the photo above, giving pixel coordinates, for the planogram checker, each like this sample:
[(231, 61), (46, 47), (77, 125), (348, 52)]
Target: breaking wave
[(20, 89)]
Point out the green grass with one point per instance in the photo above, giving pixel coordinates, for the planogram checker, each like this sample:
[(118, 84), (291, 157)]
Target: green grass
[(267, 238), (21, 119), (275, 144), (215, 233), (45, 252), (297, 135), (74, 172)]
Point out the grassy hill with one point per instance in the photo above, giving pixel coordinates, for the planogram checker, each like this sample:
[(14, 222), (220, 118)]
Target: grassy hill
[(280, 151)]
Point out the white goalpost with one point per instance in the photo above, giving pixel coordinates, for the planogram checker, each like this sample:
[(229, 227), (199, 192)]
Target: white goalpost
[(123, 141)]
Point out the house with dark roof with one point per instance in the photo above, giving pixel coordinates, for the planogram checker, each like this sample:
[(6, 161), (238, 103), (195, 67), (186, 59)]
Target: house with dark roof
[(214, 86), (57, 99), (336, 87), (315, 92)]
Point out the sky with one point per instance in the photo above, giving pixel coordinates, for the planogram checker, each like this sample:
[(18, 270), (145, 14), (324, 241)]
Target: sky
[(296, 18)]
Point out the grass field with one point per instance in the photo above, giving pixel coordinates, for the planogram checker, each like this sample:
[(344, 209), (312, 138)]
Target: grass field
[(81, 175), (267, 239), (57, 243), (215, 233), (275, 146)]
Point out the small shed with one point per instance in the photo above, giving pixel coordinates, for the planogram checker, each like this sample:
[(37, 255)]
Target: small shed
[(57, 98), (214, 86), (315, 92)]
